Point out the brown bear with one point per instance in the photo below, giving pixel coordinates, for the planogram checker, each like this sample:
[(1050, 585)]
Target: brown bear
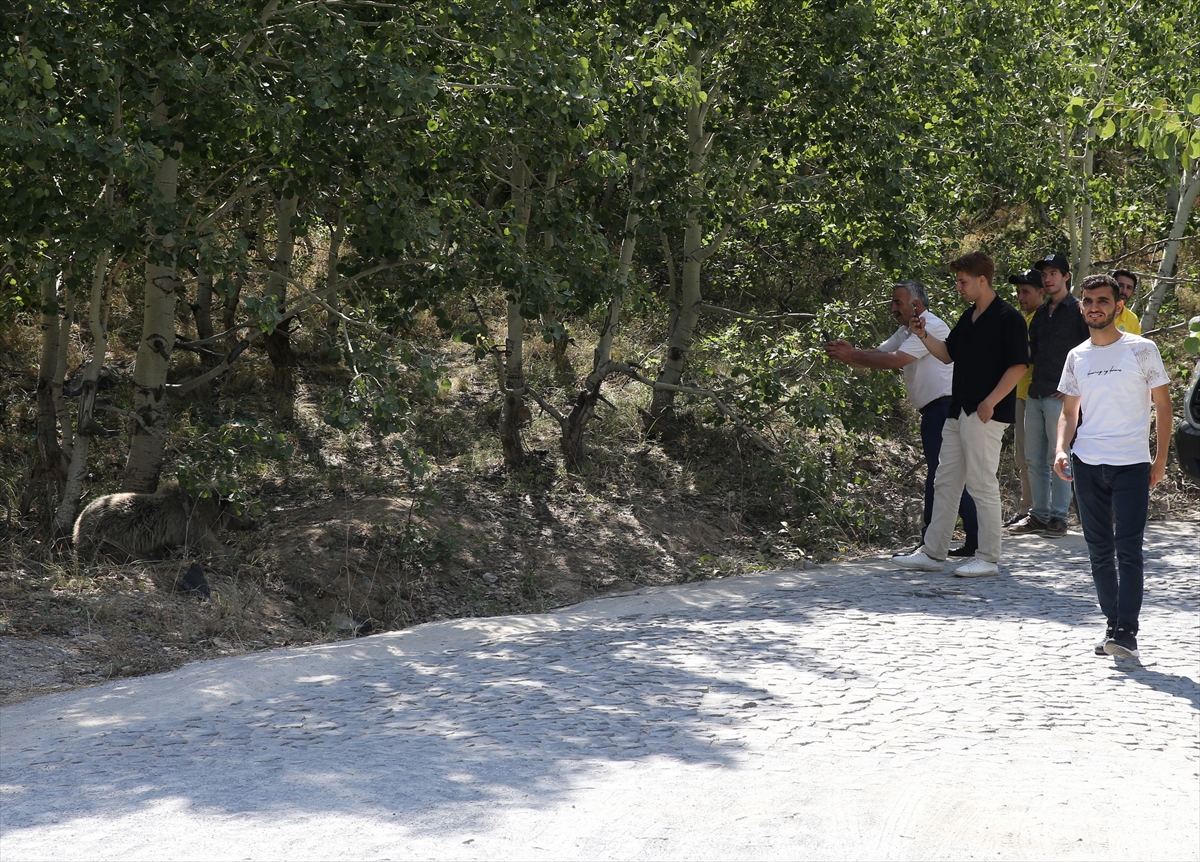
[(151, 526)]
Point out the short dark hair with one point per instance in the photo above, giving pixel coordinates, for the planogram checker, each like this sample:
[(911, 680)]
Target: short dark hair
[(915, 289), (1095, 282), (976, 263), (1118, 273)]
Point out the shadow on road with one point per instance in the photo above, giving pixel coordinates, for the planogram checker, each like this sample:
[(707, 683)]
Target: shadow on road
[(374, 727)]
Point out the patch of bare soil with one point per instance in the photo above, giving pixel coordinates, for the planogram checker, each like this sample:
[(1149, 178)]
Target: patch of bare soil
[(325, 565)]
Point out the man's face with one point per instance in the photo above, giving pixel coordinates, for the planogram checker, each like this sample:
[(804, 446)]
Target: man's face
[(1054, 280), (1029, 297), (970, 287), (1099, 308), (1127, 288), (902, 306)]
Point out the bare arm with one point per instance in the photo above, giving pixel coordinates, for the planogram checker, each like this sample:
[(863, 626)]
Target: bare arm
[(844, 351), (937, 348), (1068, 422), (988, 405), (1163, 416)]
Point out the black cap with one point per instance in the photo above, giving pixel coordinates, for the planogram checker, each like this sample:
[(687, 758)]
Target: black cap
[(1056, 260), (1029, 276)]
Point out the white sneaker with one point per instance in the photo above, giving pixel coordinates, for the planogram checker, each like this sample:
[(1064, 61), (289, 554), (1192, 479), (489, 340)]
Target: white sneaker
[(976, 568), (919, 560)]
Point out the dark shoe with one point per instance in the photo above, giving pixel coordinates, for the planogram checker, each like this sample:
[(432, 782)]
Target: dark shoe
[(964, 551), (1108, 633), (1056, 529), (1123, 644), (1016, 519), (1030, 524)]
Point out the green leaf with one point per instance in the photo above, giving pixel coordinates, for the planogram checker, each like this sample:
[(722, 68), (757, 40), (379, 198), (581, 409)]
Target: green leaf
[(1108, 129), (1191, 344)]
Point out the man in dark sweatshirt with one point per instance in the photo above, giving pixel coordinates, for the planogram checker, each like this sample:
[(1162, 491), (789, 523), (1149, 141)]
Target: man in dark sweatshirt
[(1056, 327)]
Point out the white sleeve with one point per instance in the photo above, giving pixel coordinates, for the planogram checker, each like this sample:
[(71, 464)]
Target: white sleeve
[(894, 342), (1150, 362), (1068, 384), (914, 347)]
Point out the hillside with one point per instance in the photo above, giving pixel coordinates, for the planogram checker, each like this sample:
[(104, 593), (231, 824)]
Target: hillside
[(349, 541)]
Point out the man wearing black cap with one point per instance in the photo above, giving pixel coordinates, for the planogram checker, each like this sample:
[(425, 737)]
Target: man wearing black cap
[(1056, 327), (1030, 294)]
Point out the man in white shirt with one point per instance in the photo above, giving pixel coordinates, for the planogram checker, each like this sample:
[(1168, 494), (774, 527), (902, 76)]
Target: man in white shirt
[(1113, 377), (927, 383)]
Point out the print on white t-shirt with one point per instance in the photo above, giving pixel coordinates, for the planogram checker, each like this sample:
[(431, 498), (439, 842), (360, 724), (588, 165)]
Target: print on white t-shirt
[(1113, 383)]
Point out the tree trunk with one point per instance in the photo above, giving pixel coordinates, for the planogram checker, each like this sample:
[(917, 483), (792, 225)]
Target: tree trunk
[(202, 314), (1189, 187), (1083, 266), (148, 431), (65, 324), (234, 297), (573, 447), (64, 518), (553, 315), (1072, 195), (683, 333), (278, 343), (49, 472), (520, 180), (1079, 206), (336, 235)]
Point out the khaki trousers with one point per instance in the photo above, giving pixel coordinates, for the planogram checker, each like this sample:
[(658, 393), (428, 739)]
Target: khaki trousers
[(970, 457)]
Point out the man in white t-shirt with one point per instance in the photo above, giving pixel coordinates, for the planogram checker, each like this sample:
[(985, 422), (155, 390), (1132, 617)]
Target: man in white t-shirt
[(927, 382), (1113, 377)]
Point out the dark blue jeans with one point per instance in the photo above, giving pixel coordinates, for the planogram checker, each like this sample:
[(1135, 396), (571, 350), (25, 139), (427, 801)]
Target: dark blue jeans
[(932, 420), (1112, 505)]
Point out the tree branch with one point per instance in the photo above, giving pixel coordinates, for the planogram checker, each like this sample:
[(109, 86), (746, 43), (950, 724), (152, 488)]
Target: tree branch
[(716, 309), (613, 367)]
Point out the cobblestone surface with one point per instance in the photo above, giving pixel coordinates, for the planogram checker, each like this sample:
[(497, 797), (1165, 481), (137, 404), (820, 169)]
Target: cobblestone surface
[(853, 710)]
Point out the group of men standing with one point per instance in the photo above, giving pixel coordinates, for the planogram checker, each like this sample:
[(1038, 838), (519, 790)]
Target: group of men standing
[(1037, 369)]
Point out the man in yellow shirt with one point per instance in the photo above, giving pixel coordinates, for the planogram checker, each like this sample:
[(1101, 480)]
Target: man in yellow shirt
[(1030, 294), (1127, 321)]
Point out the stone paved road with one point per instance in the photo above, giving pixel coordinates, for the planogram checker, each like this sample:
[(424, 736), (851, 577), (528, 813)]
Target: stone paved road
[(848, 711)]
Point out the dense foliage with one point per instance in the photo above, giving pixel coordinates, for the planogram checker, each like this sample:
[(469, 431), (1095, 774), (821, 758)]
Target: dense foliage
[(331, 169)]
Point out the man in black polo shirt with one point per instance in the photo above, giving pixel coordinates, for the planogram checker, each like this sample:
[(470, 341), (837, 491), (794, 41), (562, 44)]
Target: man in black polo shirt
[(1056, 327), (990, 351)]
